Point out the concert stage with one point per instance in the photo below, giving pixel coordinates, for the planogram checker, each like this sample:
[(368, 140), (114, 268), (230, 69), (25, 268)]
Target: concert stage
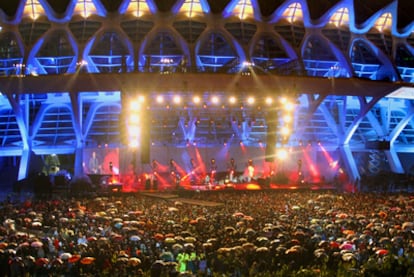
[(163, 184)]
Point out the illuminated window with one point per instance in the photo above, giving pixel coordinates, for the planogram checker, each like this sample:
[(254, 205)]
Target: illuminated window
[(191, 8), (293, 13), (138, 8), (340, 17), (384, 22), (33, 9), (85, 8), (243, 9)]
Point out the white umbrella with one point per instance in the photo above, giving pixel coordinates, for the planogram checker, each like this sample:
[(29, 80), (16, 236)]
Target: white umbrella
[(65, 256), (134, 238)]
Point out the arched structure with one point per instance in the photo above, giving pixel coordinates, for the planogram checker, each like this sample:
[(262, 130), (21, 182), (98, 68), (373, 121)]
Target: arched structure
[(69, 73)]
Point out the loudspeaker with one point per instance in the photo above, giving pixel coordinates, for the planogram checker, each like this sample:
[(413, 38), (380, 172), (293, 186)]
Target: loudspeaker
[(145, 138), (271, 122), (270, 147)]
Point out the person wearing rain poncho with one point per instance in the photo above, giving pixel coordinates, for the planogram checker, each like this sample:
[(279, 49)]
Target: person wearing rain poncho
[(186, 261)]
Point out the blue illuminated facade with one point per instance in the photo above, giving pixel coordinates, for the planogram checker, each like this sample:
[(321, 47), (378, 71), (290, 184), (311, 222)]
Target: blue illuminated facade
[(352, 83)]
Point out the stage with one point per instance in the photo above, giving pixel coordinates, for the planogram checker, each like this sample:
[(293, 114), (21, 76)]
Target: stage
[(250, 186)]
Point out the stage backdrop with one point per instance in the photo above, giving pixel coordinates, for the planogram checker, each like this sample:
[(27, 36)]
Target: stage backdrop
[(315, 165)]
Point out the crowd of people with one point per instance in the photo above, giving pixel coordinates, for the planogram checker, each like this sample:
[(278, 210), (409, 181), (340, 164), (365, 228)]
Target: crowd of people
[(223, 233)]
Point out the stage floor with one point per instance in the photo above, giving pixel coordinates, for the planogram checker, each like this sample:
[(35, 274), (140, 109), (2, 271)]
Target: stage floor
[(252, 186)]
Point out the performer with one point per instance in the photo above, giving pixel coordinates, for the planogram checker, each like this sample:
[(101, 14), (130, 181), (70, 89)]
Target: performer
[(175, 176), (94, 164), (232, 168), (154, 178), (250, 170), (193, 173), (301, 178), (213, 170)]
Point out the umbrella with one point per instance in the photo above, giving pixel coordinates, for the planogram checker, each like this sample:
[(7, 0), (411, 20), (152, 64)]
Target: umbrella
[(65, 256), (347, 257), (262, 249), (117, 237), (262, 239), (407, 225), (223, 250), (381, 252), (189, 245), (248, 218), (122, 260), (42, 261), (133, 261), (37, 224), (346, 246), (74, 259), (348, 232), (24, 244), (167, 256), (134, 238), (36, 244), (172, 209), (177, 246), (159, 236), (87, 260), (249, 232), (238, 214), (207, 245), (342, 215), (170, 240), (248, 246), (190, 239)]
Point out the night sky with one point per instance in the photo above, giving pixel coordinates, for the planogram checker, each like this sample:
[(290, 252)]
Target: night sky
[(363, 8)]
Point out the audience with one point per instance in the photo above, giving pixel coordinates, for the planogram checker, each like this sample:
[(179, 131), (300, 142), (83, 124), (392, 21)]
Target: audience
[(237, 233)]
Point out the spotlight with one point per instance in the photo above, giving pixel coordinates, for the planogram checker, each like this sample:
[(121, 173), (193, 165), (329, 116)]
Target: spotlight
[(141, 99), (196, 99), (269, 100), (282, 154), (288, 106), (215, 100), (160, 99), (176, 99), (134, 118), (285, 131), (232, 100), (134, 106), (250, 100), (287, 118)]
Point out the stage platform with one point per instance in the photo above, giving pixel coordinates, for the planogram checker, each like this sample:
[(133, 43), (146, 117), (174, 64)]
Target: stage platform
[(239, 187)]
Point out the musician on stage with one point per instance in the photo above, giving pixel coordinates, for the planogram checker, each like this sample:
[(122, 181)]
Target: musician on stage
[(232, 168), (213, 170), (94, 167), (250, 170)]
